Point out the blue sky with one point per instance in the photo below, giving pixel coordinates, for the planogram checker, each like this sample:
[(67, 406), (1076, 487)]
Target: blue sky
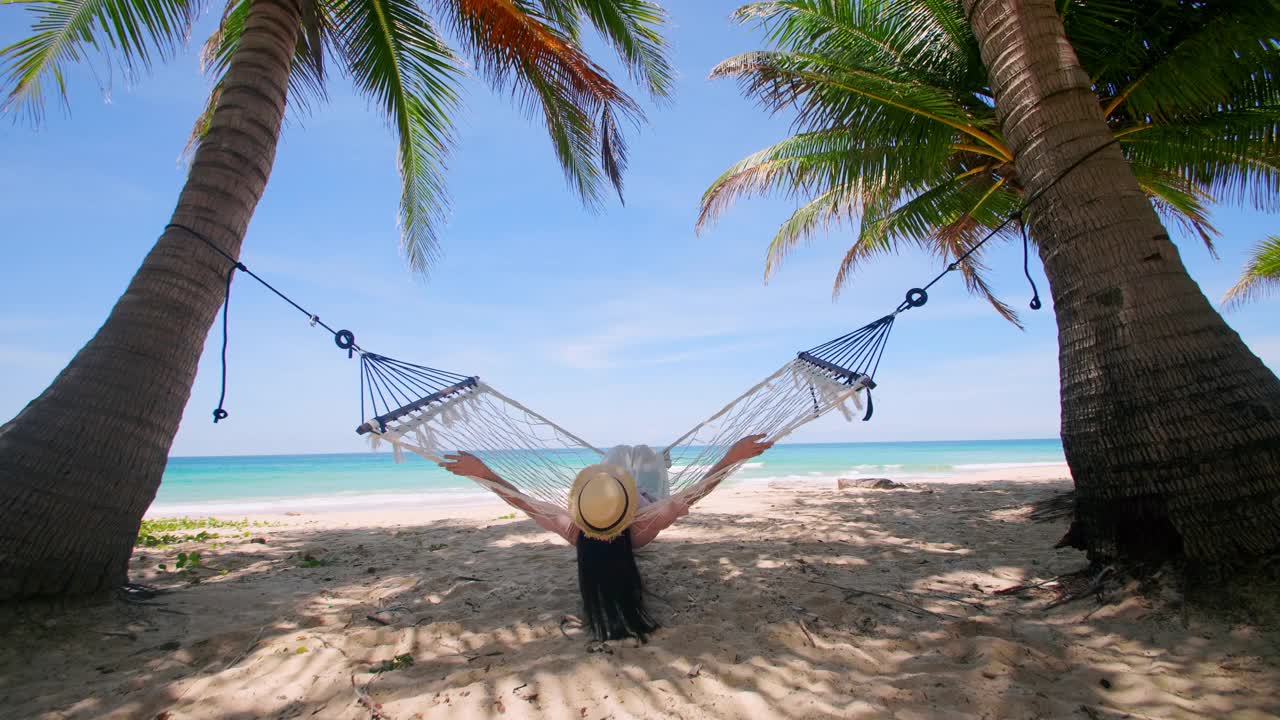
[(623, 326)]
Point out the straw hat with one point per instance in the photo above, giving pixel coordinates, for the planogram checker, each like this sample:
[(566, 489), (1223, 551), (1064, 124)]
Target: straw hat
[(603, 501)]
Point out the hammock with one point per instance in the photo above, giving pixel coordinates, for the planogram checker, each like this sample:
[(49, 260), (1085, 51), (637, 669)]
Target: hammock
[(432, 413)]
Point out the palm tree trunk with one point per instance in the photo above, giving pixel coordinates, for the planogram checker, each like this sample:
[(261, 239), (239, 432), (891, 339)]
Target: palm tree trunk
[(1170, 424), (82, 462)]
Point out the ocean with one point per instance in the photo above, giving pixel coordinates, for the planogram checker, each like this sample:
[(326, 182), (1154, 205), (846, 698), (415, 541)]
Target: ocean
[(279, 483)]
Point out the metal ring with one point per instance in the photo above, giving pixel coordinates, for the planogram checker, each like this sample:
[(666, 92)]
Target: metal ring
[(219, 414), (917, 297), (345, 339)]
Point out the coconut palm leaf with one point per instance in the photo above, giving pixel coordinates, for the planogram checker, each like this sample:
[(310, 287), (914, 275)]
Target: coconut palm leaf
[(1261, 274), (828, 209), (395, 57), (1233, 155), (517, 47), (939, 27), (1157, 60), (632, 27), (874, 105), (914, 219), (1179, 203), (948, 219), (306, 77), (1189, 88), (138, 31), (819, 162)]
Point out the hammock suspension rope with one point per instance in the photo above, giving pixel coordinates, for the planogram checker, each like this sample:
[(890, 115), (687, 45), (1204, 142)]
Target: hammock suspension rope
[(431, 412)]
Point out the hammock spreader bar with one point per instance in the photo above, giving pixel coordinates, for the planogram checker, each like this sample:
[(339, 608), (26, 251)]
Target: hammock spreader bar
[(391, 389)]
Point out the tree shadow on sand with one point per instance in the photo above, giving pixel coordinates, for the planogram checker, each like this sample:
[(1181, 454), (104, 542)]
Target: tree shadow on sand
[(823, 604)]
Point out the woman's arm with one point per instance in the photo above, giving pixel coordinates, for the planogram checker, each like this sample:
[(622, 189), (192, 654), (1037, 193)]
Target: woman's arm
[(548, 516), (741, 451), (655, 518), (659, 516)]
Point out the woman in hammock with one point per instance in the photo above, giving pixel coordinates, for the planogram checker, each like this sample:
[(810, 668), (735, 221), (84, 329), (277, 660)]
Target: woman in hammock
[(607, 518)]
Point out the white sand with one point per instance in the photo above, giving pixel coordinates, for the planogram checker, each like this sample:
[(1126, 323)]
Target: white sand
[(750, 630)]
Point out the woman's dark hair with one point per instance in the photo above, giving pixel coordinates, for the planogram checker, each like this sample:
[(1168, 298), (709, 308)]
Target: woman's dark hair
[(612, 592)]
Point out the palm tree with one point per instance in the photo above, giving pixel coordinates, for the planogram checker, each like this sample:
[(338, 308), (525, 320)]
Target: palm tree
[(1261, 274), (1170, 424), (898, 133), (81, 463)]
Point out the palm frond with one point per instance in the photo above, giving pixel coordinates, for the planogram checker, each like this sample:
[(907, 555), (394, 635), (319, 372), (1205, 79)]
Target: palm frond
[(1233, 155), (958, 237), (1261, 274), (866, 245), (1185, 57), (925, 208), (1106, 35), (812, 163), (826, 94), (203, 121), (887, 226), (1179, 203), (306, 73), (1191, 89), (947, 219), (632, 27), (395, 57), (135, 32), (939, 26), (515, 47), (909, 40), (830, 208)]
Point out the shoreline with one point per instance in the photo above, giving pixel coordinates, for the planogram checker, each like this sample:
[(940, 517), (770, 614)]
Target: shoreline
[(436, 504)]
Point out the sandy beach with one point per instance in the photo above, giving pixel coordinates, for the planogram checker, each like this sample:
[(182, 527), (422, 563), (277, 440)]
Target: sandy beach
[(787, 602)]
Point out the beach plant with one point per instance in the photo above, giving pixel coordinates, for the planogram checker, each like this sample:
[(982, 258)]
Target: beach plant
[(1261, 274), (924, 123), (310, 561), (188, 523), (149, 539), (162, 532), (399, 662), (897, 137), (266, 55)]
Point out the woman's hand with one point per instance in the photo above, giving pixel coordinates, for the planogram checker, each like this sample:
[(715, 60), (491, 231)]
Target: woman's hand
[(746, 448), (468, 465)]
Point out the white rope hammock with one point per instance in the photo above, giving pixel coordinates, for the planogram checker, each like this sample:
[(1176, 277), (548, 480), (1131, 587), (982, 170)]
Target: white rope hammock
[(433, 413)]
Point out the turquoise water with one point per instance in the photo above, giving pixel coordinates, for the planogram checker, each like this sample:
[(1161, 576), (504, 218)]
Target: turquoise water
[(276, 483)]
